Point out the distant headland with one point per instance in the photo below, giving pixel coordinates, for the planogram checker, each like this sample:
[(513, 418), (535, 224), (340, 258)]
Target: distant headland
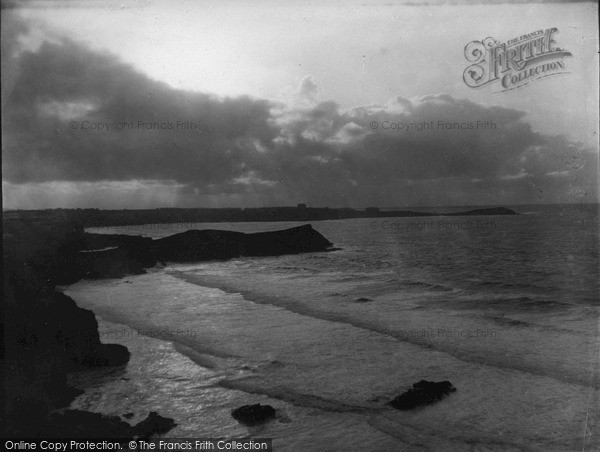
[(99, 218)]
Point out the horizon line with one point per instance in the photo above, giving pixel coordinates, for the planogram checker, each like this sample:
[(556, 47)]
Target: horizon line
[(308, 207)]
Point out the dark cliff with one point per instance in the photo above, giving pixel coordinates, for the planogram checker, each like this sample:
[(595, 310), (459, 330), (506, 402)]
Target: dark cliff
[(46, 334), (211, 244)]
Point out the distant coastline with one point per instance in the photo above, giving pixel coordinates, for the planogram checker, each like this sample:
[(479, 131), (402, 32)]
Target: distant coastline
[(100, 218)]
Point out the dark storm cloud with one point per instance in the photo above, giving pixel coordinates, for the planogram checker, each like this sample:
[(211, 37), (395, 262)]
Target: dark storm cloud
[(315, 152), (65, 82)]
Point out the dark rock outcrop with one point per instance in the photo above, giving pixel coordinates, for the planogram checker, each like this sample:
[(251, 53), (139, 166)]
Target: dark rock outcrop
[(253, 414), (422, 393), (137, 247), (112, 355), (110, 263), (196, 245), (153, 424), (76, 330), (363, 300), (46, 336), (115, 256)]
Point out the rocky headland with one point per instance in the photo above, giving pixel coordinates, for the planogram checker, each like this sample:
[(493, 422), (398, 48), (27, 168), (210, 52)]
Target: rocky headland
[(47, 335)]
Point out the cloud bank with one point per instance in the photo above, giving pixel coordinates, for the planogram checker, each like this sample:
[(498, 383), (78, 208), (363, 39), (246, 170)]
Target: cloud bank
[(82, 128)]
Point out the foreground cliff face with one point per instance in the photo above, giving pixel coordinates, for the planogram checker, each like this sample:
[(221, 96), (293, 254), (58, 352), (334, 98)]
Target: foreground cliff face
[(46, 333)]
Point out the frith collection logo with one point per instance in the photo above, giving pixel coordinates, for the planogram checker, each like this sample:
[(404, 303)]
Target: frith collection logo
[(516, 62)]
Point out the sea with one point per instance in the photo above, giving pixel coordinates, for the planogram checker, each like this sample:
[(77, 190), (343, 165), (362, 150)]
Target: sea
[(506, 308)]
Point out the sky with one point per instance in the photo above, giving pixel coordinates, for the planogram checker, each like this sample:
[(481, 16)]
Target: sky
[(142, 104)]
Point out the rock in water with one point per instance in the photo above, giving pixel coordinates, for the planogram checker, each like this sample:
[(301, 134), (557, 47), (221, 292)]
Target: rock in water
[(153, 424), (253, 414), (112, 355), (422, 393)]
